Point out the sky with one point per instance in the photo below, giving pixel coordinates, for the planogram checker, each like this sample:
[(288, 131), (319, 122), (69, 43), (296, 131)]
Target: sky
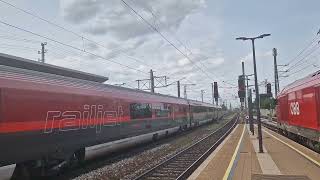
[(190, 40)]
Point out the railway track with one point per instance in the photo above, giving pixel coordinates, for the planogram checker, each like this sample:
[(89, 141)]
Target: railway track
[(300, 140), (181, 165)]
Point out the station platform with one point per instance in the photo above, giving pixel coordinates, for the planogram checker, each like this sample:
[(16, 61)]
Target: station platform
[(238, 158)]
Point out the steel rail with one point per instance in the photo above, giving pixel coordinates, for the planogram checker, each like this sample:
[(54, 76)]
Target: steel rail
[(181, 165)]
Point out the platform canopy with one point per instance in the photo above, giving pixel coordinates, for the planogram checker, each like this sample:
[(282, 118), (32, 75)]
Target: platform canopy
[(23, 63)]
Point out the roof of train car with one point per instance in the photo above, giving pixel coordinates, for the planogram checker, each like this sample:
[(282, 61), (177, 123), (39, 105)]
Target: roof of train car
[(199, 103), (312, 79), (18, 62), (41, 77)]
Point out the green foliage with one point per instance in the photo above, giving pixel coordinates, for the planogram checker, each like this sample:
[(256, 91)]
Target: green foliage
[(266, 103)]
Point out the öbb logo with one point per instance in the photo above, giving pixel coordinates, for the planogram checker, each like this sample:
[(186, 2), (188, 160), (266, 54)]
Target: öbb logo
[(294, 108)]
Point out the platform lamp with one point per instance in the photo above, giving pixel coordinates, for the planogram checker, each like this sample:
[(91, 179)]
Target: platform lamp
[(256, 84)]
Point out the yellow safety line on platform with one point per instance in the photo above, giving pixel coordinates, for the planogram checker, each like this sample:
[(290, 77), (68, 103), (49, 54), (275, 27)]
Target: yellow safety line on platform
[(297, 150), (226, 175)]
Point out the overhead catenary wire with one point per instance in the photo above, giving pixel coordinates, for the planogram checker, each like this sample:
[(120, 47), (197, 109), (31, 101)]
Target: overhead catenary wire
[(165, 38), (68, 45), (54, 24), (314, 48), (301, 64), (289, 71), (304, 49), (301, 69), (82, 37), (74, 33), (180, 42)]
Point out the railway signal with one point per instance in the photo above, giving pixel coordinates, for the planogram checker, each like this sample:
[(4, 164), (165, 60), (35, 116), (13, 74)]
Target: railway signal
[(241, 89), (245, 93), (269, 93)]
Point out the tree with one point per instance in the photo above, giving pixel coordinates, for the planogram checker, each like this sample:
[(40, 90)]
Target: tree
[(266, 103)]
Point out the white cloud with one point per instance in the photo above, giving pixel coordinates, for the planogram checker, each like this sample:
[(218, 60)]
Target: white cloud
[(130, 41), (112, 17)]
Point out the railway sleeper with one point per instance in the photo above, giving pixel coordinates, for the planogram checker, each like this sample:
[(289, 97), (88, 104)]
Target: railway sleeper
[(165, 174), (180, 166), (191, 159), (176, 171), (166, 171), (173, 168)]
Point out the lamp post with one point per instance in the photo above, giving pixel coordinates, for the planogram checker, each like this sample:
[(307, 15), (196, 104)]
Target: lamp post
[(256, 85)]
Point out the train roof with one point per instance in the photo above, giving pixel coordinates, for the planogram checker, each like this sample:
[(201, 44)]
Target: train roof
[(14, 73), (312, 79), (199, 103), (18, 62)]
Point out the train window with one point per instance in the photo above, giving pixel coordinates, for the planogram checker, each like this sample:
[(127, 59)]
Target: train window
[(140, 110), (199, 109), (162, 110)]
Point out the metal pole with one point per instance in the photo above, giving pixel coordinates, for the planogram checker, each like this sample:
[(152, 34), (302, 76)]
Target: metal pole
[(185, 91), (244, 76), (216, 93), (202, 91), (151, 81), (178, 86), (276, 78), (212, 93), (257, 97), (247, 79), (42, 52), (250, 111), (138, 81)]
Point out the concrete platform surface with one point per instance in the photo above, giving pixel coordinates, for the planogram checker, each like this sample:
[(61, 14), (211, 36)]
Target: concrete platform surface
[(238, 158)]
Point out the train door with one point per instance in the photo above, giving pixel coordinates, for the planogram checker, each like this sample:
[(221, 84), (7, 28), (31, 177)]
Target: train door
[(306, 109), (284, 110)]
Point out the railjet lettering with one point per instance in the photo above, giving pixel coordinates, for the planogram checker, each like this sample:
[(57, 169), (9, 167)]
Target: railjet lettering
[(92, 116)]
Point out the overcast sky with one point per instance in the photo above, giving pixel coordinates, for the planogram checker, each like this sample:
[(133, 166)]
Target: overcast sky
[(202, 30)]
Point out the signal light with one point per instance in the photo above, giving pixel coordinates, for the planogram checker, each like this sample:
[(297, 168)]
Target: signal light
[(268, 88), (242, 87)]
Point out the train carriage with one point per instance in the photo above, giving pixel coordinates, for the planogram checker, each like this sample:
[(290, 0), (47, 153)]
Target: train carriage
[(298, 107), (47, 120)]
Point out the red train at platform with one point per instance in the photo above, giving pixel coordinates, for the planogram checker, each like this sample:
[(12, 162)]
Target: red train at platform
[(298, 110), (49, 120)]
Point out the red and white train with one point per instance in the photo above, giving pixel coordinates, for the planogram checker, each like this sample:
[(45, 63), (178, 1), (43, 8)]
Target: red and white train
[(298, 110), (48, 120)]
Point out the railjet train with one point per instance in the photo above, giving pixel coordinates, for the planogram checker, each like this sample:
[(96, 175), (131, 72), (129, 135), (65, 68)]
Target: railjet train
[(49, 121)]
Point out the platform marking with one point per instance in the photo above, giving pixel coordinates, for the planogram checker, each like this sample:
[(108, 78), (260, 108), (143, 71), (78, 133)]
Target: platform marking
[(268, 166), (232, 163), (201, 168), (297, 150)]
